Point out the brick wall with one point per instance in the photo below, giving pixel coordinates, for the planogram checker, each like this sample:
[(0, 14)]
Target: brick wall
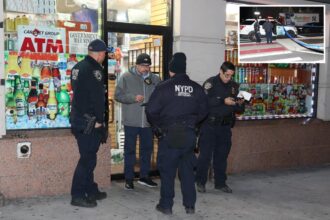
[(49, 169), (257, 146), (275, 144)]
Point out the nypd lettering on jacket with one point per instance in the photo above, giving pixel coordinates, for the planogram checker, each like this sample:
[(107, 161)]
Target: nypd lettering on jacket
[(183, 90)]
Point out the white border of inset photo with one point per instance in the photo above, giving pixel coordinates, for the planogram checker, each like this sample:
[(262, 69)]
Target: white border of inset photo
[(284, 48)]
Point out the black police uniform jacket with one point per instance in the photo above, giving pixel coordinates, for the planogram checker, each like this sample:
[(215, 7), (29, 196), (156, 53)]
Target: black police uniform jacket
[(175, 100), (216, 91), (87, 81)]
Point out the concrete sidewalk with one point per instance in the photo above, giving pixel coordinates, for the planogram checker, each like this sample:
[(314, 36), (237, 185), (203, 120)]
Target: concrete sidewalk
[(296, 194)]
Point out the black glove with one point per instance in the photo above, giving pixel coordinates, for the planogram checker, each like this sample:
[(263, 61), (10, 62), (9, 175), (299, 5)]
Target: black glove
[(103, 133), (158, 132)]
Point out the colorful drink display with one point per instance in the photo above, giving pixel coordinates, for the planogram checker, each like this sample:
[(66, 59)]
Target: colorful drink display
[(38, 90), (285, 92), (276, 99)]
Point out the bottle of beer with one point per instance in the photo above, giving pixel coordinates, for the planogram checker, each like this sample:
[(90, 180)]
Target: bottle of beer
[(63, 99), (19, 99), (13, 68), (52, 102), (36, 73), (26, 70), (26, 88), (56, 77), (45, 76), (41, 104), (32, 100)]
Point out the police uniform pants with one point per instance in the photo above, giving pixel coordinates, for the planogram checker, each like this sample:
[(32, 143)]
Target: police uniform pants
[(83, 179), (183, 159), (214, 140), (146, 147), (269, 37)]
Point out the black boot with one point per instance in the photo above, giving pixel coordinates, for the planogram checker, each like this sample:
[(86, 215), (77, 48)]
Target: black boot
[(83, 202)]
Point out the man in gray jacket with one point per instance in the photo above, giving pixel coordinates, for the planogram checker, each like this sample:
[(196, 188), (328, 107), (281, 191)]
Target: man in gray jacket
[(133, 91)]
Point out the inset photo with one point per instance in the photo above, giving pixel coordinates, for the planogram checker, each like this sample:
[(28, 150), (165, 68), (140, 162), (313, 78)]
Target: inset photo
[(281, 34)]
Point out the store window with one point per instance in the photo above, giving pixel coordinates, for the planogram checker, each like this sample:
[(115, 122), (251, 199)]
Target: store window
[(148, 12), (43, 41), (278, 90)]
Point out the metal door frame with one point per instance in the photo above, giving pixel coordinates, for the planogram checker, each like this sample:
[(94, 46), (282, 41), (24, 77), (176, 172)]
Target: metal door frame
[(165, 31)]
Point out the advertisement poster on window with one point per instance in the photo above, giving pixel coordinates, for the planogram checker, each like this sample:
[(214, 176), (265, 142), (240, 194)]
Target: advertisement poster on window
[(38, 92), (78, 41), (41, 39)]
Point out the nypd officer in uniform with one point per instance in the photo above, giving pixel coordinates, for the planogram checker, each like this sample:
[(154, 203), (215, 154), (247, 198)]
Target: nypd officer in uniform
[(174, 109), (88, 122), (215, 135)]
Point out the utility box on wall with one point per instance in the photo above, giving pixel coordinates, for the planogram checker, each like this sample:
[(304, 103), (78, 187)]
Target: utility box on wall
[(23, 150)]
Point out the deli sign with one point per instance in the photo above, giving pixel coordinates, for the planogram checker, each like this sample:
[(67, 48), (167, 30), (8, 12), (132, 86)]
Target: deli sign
[(41, 39)]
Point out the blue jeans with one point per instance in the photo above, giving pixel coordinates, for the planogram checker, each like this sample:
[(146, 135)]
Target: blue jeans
[(214, 140), (83, 179), (146, 147), (183, 159)]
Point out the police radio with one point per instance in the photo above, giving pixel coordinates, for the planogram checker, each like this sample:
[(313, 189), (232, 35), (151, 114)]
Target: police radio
[(148, 81)]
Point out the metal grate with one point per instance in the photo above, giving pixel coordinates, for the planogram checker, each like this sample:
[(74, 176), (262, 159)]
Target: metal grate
[(155, 53), (120, 139)]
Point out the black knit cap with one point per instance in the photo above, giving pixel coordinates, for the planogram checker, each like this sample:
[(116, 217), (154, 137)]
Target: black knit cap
[(178, 63), (143, 58)]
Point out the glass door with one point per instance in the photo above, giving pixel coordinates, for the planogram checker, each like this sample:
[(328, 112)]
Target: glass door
[(125, 48)]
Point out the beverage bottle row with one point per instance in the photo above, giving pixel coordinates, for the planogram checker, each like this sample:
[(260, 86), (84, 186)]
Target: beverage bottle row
[(275, 79), (250, 75), (34, 102), (41, 67), (232, 56), (11, 24)]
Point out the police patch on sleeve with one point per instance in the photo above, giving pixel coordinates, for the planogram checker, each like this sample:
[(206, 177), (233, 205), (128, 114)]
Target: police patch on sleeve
[(75, 73), (208, 85), (98, 75)]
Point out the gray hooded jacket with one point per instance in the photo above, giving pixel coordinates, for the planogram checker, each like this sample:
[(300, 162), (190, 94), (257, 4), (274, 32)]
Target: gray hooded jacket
[(129, 85)]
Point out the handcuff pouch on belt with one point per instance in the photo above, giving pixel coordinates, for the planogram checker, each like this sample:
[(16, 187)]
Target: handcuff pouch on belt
[(218, 120), (177, 135)]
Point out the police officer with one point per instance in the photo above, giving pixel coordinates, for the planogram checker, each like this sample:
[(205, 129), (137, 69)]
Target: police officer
[(88, 122), (268, 27), (257, 30), (215, 135), (175, 108)]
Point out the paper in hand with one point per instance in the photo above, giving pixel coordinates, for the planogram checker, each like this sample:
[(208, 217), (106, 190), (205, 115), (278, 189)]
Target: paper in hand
[(244, 95)]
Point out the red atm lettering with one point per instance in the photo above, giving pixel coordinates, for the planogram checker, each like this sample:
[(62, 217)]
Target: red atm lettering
[(37, 45)]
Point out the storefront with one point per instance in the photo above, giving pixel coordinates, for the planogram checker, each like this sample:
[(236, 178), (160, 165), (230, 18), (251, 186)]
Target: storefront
[(43, 42)]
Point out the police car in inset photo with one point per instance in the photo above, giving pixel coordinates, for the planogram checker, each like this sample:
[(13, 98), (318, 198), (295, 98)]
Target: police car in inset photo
[(247, 29)]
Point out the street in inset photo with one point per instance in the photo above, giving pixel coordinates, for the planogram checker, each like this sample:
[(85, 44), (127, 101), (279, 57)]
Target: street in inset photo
[(281, 34)]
